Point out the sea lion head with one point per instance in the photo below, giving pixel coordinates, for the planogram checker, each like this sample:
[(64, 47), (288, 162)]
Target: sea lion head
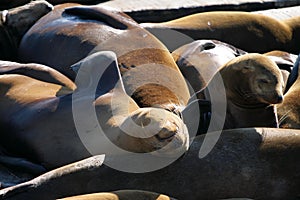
[(157, 130), (200, 60), (254, 78)]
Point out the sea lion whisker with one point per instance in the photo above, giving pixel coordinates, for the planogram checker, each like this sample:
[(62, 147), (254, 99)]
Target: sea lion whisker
[(284, 116)]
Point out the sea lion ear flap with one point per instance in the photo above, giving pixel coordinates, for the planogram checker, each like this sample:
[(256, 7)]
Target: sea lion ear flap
[(98, 73), (115, 19)]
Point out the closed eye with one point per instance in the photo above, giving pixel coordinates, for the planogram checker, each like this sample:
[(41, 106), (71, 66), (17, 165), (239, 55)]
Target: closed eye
[(264, 81)]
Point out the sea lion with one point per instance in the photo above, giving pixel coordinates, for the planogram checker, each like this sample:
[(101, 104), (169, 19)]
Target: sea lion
[(285, 61), (257, 163), (15, 22), (248, 28), (40, 125), (71, 32), (121, 195), (288, 111), (253, 84), (200, 60)]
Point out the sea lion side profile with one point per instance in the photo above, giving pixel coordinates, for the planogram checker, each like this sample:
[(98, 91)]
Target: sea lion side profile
[(253, 83), (200, 60), (257, 163), (248, 28), (88, 29), (39, 125)]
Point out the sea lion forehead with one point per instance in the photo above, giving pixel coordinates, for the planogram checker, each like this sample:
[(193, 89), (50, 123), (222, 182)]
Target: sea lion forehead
[(258, 60)]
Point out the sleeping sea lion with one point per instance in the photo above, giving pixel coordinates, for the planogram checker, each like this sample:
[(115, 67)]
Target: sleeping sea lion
[(15, 22), (257, 163), (240, 29), (200, 60), (289, 110), (253, 84), (40, 124), (71, 32)]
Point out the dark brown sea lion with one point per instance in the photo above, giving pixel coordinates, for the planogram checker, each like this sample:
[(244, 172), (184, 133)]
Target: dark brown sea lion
[(289, 109), (70, 32), (121, 195), (15, 22), (42, 125), (8, 4), (257, 163), (247, 28), (253, 83)]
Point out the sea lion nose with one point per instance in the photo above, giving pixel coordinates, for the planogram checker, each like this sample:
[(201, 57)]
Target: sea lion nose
[(280, 98), (167, 132)]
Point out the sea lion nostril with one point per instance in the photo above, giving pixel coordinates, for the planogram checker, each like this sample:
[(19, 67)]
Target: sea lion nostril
[(165, 134), (163, 137), (280, 98), (208, 46)]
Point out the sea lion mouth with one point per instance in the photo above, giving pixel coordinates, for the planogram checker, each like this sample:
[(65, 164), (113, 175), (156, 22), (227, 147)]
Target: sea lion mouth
[(164, 138), (275, 100)]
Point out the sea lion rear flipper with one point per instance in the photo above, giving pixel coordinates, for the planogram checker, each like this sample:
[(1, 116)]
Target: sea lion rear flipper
[(98, 73), (114, 18), (37, 71)]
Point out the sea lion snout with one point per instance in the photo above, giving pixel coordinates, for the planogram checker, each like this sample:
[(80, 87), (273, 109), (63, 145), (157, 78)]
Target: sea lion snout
[(157, 130)]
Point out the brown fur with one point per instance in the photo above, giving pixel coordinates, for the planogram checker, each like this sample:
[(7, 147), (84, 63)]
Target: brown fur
[(257, 163), (289, 109), (39, 124), (141, 57), (253, 83), (15, 22), (200, 60), (248, 31)]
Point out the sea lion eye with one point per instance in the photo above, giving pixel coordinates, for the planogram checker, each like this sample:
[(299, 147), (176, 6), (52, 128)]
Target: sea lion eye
[(264, 81)]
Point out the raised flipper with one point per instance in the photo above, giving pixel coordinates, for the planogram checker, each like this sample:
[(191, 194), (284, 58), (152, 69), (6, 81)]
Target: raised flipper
[(37, 71), (98, 73), (114, 18)]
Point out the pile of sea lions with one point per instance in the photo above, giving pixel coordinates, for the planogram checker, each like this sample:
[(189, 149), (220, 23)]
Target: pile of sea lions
[(95, 105)]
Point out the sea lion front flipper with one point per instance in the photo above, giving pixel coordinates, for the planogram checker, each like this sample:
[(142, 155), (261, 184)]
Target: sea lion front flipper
[(98, 72), (114, 18), (37, 71)]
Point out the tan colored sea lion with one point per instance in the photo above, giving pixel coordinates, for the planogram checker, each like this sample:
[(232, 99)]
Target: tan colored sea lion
[(253, 83), (15, 22), (247, 28), (39, 124), (289, 109), (257, 163), (121, 195), (200, 60), (70, 32)]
